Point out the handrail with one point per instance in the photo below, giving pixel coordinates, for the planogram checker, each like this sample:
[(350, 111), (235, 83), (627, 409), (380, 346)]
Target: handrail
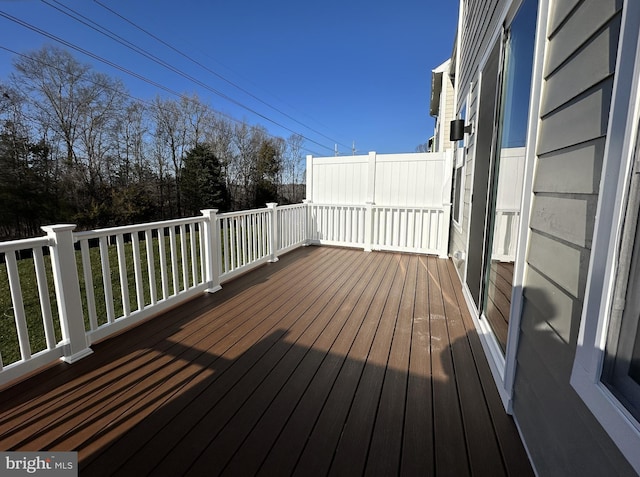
[(24, 244), (127, 229)]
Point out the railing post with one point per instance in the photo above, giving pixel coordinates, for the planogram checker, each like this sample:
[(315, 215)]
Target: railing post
[(211, 244), (67, 286), (273, 231), (309, 186), (368, 227), (307, 221), (371, 178)]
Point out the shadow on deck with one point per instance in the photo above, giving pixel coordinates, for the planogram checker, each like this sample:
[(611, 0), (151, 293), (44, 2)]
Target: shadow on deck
[(331, 361)]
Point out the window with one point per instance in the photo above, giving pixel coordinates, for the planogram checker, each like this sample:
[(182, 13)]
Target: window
[(606, 368), (458, 177), (621, 369)]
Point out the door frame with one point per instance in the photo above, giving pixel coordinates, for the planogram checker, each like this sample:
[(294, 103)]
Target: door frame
[(503, 366)]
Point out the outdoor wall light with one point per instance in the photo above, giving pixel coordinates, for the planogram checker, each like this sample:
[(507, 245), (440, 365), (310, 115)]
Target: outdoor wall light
[(458, 130)]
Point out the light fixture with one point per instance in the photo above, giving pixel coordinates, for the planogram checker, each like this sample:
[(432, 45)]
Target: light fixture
[(458, 129)]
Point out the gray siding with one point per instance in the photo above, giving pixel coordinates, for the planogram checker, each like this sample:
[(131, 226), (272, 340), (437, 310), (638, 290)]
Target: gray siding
[(562, 436), (479, 22)]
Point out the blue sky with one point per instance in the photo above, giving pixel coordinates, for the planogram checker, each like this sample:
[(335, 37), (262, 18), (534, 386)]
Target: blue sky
[(350, 70)]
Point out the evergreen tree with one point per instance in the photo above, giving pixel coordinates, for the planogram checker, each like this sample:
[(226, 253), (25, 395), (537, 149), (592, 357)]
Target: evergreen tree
[(267, 171), (202, 182)]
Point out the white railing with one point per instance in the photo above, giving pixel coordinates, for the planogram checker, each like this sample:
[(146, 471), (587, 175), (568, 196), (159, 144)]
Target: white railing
[(372, 227), (245, 241), (156, 264), (38, 319), (411, 229), (343, 225), (103, 281), (291, 222)]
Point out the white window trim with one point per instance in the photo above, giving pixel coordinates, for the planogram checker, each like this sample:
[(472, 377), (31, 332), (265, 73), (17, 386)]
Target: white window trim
[(460, 163), (624, 120), (460, 212)]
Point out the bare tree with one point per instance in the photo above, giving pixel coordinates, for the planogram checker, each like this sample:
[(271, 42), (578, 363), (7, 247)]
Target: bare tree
[(293, 169), (99, 123), (171, 138), (58, 87), (131, 144)]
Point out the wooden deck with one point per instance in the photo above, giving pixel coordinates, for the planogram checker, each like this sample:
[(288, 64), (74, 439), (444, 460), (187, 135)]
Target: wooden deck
[(330, 361)]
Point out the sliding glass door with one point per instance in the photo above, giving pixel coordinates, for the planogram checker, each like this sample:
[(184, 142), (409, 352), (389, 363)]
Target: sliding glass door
[(499, 170)]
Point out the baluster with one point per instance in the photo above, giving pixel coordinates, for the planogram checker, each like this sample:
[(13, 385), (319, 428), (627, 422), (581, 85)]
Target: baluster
[(162, 249), (202, 247), (233, 249), (88, 284), (194, 255), (151, 266), (174, 260), (18, 305), (122, 269), (106, 279), (45, 301), (183, 253), (227, 247), (137, 269)]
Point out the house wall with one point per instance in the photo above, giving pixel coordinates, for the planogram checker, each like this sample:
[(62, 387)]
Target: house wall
[(446, 110), (447, 100), (562, 436), (480, 18)]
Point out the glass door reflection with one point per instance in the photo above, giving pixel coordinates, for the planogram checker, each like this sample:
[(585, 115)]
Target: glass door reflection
[(506, 179)]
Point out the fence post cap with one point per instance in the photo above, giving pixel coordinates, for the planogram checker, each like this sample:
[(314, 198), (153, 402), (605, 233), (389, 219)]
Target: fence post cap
[(58, 228)]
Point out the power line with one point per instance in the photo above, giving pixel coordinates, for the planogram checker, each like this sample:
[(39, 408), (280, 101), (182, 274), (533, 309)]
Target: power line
[(215, 73), (104, 31), (137, 75), (140, 100)]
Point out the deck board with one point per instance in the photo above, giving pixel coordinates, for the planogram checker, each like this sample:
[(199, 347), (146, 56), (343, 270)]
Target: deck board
[(483, 450), (330, 361), (447, 426)]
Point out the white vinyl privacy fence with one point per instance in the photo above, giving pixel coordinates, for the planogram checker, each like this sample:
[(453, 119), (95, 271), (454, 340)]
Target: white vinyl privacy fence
[(381, 202)]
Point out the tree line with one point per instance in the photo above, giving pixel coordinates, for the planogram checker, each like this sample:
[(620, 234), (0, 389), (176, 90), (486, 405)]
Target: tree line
[(76, 147)]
